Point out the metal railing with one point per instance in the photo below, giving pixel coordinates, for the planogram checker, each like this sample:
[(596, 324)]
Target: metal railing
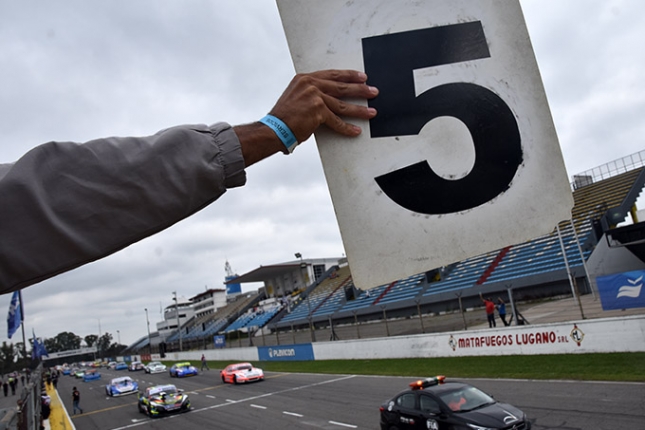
[(608, 170), (26, 416)]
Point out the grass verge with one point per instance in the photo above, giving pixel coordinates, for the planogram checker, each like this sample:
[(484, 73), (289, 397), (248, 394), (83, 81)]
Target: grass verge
[(591, 367)]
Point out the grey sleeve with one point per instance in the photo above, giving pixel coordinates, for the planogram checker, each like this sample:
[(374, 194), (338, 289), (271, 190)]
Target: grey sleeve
[(65, 204)]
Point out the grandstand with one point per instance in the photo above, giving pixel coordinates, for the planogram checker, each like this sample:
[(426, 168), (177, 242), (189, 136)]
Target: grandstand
[(552, 265)]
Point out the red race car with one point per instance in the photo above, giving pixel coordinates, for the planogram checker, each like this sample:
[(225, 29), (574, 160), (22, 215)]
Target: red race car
[(241, 373)]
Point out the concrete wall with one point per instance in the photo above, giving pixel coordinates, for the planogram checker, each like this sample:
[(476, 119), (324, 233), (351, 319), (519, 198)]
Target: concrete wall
[(607, 261), (625, 334)]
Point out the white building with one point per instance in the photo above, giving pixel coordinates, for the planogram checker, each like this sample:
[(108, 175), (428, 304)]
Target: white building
[(183, 308)]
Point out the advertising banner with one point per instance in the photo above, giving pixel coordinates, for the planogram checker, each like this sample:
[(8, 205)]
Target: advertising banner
[(622, 290), (301, 352), (219, 341)]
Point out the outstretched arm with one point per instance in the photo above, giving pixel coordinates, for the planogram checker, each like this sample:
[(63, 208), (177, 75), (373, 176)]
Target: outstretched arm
[(65, 204)]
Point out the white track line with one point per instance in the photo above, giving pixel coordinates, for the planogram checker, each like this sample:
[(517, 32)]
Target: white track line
[(248, 399)]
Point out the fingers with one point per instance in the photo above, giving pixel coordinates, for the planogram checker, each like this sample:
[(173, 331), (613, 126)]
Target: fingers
[(314, 99), (340, 83), (339, 75), (338, 108)]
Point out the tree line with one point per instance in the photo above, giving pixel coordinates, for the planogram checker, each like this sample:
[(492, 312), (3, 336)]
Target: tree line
[(14, 356)]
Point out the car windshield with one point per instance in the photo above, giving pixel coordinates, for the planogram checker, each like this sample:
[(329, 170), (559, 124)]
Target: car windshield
[(466, 399), (165, 390)]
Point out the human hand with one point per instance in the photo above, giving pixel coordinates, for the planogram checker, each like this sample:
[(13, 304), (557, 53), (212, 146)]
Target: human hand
[(314, 99)]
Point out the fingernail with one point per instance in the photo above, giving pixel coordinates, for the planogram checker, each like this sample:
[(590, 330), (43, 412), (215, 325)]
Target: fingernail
[(373, 90), (362, 76), (371, 111)]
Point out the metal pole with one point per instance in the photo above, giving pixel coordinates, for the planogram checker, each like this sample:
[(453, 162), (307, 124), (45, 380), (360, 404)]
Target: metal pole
[(358, 332), (582, 258), (423, 330), (509, 291), (461, 310), (566, 263), (22, 325), (387, 328), (99, 339), (148, 326), (177, 315)]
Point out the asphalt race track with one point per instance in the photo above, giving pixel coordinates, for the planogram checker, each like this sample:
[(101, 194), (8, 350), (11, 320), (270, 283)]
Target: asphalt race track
[(303, 401)]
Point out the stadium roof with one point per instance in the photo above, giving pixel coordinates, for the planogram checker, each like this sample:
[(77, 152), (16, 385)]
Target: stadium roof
[(263, 273)]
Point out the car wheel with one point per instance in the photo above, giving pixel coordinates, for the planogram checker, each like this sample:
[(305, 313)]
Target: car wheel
[(223, 379), (235, 379)]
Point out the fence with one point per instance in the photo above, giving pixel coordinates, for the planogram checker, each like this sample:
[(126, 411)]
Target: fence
[(26, 416)]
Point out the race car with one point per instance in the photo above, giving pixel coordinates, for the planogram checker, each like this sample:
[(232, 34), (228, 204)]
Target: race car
[(154, 367), (240, 373), (135, 365), (163, 399), (435, 404), (91, 375), (180, 370), (121, 386), (120, 365)]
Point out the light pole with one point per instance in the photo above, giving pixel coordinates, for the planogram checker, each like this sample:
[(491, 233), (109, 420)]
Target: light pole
[(118, 334), (177, 315), (148, 325), (98, 341)]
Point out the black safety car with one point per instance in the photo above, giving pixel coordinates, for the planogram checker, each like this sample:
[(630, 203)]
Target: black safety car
[(163, 399), (437, 404)]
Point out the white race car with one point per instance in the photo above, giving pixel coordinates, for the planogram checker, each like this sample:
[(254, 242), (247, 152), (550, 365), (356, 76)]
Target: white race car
[(154, 367), (121, 387)]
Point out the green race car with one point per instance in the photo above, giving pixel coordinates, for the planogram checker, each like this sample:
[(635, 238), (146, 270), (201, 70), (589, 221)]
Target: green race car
[(163, 399)]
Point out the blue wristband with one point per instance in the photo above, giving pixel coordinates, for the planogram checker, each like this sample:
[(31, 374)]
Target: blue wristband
[(282, 131)]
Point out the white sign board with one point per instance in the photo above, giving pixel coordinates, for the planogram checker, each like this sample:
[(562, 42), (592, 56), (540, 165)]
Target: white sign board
[(462, 158)]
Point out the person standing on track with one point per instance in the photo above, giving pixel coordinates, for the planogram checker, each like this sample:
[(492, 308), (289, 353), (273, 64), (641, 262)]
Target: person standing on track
[(76, 399), (204, 364)]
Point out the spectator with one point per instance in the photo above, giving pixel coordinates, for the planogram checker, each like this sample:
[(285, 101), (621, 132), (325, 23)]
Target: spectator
[(12, 383), (76, 399), (501, 310), (490, 310), (5, 387), (203, 162), (45, 408)]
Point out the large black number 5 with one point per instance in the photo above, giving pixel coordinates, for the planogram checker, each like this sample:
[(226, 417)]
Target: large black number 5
[(389, 63)]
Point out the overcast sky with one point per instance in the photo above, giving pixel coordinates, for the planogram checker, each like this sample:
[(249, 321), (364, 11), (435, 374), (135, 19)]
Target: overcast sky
[(78, 70)]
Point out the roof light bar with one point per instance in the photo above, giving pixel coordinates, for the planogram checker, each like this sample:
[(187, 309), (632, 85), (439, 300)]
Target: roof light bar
[(428, 382)]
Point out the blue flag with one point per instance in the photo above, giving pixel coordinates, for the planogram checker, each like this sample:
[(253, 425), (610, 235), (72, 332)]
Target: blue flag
[(38, 349), (14, 319)]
